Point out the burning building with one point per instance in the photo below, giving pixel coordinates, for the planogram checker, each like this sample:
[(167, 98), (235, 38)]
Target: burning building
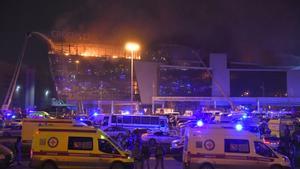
[(91, 71)]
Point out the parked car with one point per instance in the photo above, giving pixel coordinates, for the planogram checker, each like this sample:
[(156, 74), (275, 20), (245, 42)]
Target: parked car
[(6, 157), (87, 122), (141, 131), (12, 131), (81, 117), (177, 149), (159, 137), (16, 122), (116, 131), (2, 124), (272, 141), (189, 123)]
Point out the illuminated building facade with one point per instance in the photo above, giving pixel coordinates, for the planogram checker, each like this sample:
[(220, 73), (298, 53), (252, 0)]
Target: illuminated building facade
[(95, 77), (93, 72)]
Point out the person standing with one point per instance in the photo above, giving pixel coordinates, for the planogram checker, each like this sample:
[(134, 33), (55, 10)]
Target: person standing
[(18, 150), (159, 156), (145, 155), (292, 154), (137, 156), (286, 140)]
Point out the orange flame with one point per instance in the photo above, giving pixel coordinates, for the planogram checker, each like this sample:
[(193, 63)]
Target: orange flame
[(93, 50)]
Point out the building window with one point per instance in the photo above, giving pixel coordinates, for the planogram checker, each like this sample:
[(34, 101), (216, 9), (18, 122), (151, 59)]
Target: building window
[(237, 146), (80, 143)]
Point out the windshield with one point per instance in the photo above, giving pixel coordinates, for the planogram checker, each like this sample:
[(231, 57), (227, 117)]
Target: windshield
[(113, 141)]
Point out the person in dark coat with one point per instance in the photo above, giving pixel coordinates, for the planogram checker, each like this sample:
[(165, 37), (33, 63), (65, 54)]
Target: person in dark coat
[(18, 150), (146, 155), (137, 156), (159, 156), (285, 141)]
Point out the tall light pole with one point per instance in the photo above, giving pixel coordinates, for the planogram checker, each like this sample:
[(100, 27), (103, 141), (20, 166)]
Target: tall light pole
[(132, 47), (77, 64)]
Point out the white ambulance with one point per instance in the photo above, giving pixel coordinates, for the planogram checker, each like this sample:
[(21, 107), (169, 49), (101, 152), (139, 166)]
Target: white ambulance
[(213, 147), (77, 147)]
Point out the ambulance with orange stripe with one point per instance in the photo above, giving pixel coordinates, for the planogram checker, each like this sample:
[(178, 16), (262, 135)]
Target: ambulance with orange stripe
[(77, 147), (209, 146)]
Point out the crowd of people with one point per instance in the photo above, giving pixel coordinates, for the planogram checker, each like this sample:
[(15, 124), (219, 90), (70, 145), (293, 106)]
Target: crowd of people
[(142, 152), (289, 144)]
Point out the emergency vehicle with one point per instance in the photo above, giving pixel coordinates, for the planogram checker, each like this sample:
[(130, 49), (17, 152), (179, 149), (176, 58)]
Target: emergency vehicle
[(76, 147), (29, 126), (132, 122), (213, 147), (277, 126)]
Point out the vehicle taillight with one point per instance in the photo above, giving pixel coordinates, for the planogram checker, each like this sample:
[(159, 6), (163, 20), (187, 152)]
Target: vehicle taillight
[(189, 157), (266, 142)]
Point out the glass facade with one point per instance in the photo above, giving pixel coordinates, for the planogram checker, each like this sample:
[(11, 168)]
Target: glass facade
[(93, 78), (258, 84), (184, 81)]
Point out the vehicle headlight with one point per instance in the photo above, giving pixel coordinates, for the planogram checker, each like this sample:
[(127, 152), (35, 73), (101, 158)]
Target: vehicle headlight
[(128, 156), (286, 159)]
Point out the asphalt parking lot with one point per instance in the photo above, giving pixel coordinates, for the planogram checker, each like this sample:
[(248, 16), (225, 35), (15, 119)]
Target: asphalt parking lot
[(170, 163)]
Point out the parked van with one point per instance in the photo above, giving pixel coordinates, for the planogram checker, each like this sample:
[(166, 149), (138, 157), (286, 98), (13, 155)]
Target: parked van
[(214, 147), (76, 147)]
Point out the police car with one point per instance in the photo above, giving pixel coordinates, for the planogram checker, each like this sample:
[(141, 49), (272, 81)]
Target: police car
[(212, 147)]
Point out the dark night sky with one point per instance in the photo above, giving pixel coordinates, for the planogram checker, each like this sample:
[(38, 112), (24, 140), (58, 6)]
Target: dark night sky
[(249, 30)]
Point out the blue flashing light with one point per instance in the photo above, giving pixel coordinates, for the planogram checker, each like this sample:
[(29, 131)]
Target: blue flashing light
[(200, 123), (126, 112), (95, 114), (81, 119), (244, 116), (13, 116), (239, 127), (8, 114)]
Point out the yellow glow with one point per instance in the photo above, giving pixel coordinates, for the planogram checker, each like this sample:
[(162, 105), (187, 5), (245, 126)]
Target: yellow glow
[(77, 61), (132, 46), (89, 53), (97, 50)]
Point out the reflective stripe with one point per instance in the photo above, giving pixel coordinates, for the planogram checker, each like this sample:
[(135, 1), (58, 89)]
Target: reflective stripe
[(68, 130), (40, 121), (65, 153), (235, 157)]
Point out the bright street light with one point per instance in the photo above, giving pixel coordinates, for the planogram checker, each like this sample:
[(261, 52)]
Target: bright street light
[(18, 88), (47, 92), (132, 47), (77, 65)]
